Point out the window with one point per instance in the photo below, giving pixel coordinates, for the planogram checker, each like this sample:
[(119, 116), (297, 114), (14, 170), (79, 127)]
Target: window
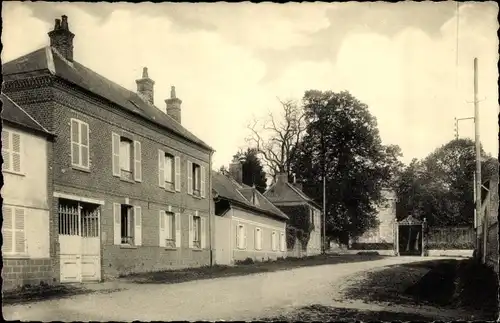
[(11, 151), (127, 158), (79, 143), (258, 239), (13, 230), (312, 216), (170, 229), (78, 218), (273, 241), (282, 241), (169, 171), (126, 225), (196, 179), (241, 236), (196, 232)]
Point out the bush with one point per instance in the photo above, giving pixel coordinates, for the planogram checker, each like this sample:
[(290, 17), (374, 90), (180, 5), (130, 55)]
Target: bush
[(451, 245), (247, 261), (368, 253), (372, 246)]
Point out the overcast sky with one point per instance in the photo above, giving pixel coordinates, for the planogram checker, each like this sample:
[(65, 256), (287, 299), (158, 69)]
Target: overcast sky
[(229, 62)]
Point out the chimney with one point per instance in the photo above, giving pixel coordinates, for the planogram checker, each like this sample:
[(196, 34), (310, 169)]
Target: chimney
[(297, 184), (282, 178), (174, 106), (62, 39), (236, 170), (145, 87)]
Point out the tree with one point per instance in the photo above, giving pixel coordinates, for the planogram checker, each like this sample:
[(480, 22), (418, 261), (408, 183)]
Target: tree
[(342, 142), (253, 172), (274, 138), (441, 186)]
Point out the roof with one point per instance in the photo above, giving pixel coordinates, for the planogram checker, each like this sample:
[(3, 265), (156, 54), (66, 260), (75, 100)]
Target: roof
[(47, 58), (229, 189), (282, 192), (15, 114)]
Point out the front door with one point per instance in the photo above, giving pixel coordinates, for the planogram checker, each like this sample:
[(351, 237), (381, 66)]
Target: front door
[(79, 240)]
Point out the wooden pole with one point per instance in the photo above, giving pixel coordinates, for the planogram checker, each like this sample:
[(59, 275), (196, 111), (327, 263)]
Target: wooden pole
[(478, 148)]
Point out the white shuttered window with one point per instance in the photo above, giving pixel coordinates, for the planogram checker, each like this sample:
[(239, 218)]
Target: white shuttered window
[(79, 143), (11, 151), (13, 231)]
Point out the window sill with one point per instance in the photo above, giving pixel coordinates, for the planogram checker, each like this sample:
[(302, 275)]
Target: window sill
[(14, 257), (171, 248), (127, 246), (13, 172), (80, 168), (127, 180), (197, 249), (170, 190), (196, 196)]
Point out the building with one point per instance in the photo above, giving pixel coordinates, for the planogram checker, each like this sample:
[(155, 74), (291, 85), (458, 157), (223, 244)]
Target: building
[(382, 236), (130, 182), (28, 226), (290, 199), (247, 225)]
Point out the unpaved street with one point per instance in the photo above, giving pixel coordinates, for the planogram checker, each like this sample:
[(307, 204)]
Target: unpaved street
[(233, 298)]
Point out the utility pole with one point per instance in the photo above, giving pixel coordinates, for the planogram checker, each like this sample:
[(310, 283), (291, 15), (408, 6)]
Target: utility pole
[(324, 210), (478, 151), (456, 124)]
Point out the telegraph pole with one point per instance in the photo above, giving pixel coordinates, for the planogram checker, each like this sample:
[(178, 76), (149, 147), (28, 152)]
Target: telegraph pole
[(478, 151), (456, 124)]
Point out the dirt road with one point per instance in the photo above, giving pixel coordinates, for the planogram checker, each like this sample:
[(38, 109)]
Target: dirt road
[(233, 298)]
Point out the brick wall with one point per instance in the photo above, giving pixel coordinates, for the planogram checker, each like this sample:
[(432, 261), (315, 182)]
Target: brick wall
[(20, 272), (55, 104)]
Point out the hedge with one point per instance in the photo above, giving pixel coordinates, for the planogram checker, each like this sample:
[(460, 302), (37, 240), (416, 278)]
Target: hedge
[(372, 246)]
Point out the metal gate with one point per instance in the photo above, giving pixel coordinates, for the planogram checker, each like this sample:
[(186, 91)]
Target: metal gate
[(79, 239)]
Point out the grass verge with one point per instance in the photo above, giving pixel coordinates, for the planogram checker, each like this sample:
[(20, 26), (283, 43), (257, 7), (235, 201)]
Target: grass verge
[(28, 294), (188, 274), (320, 313)]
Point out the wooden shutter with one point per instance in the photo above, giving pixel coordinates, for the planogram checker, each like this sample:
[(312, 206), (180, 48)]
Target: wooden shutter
[(115, 143), (7, 229), (75, 143), (137, 161), (19, 234), (84, 144), (161, 168), (6, 150), (256, 237), (244, 237), (168, 224), (117, 223), (202, 181), (273, 241), (16, 152), (237, 235), (138, 225), (282, 242), (191, 231), (189, 177), (177, 183), (177, 230), (203, 233), (161, 218)]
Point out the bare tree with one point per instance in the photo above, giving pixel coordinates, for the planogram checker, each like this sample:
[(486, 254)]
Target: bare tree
[(275, 138)]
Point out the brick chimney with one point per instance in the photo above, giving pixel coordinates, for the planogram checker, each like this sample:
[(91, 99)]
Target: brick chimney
[(145, 87), (174, 106), (282, 178), (62, 39), (236, 170)]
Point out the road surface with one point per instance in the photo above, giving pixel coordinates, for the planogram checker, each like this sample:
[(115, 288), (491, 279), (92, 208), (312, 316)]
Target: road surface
[(232, 298)]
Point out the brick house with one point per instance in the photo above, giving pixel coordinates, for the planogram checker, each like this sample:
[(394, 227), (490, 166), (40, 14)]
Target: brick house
[(382, 236), (27, 227), (130, 182), (290, 199), (248, 225)]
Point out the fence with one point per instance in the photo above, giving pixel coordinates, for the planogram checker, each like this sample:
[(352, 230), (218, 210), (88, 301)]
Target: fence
[(451, 238), (487, 231)]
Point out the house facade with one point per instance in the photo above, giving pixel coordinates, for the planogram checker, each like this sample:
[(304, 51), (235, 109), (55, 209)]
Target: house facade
[(131, 184), (382, 236), (247, 225), (28, 225), (300, 209)]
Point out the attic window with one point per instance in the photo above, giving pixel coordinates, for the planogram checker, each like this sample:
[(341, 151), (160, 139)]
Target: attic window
[(255, 200)]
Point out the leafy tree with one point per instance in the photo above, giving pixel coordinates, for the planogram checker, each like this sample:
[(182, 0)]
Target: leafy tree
[(253, 172), (342, 141), (441, 186)]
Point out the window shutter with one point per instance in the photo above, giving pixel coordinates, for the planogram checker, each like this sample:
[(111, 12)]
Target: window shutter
[(16, 152), (19, 236), (177, 230), (282, 242), (7, 229), (177, 162), (138, 225), (202, 182), (237, 235), (161, 168), (115, 143), (203, 233), (117, 223), (244, 237), (256, 237), (75, 144), (84, 144), (6, 150), (191, 231), (190, 177), (137, 161), (161, 218)]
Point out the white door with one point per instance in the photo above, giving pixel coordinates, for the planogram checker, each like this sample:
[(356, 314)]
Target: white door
[(222, 241), (79, 242)]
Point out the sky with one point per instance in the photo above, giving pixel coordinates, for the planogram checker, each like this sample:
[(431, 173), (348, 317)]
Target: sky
[(410, 62)]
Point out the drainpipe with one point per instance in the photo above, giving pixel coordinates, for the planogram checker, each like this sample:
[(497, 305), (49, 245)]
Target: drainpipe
[(210, 217)]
